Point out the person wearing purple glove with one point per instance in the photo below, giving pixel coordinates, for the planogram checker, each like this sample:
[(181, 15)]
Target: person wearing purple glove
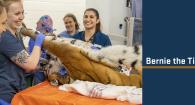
[(44, 25), (14, 59)]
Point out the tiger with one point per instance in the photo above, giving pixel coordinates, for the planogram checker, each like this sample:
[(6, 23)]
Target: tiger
[(115, 56)]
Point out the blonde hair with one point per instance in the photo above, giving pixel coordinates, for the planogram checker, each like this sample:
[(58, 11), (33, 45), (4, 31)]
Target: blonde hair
[(7, 3), (1, 6)]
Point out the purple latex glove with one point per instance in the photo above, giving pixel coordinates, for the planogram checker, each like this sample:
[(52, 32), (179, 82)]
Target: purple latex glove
[(39, 39)]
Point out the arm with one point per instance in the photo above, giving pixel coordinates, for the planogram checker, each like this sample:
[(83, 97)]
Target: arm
[(26, 61)]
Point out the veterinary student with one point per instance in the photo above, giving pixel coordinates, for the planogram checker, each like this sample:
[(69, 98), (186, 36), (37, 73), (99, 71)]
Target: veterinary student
[(14, 59), (3, 17), (92, 32), (71, 25), (44, 25)]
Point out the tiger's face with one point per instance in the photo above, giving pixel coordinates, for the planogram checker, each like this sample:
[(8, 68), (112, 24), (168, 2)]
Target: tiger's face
[(54, 73)]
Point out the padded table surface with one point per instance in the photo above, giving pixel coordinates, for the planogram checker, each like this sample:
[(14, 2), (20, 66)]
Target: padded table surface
[(45, 94)]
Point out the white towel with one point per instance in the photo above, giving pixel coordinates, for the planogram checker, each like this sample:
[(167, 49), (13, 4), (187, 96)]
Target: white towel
[(98, 90)]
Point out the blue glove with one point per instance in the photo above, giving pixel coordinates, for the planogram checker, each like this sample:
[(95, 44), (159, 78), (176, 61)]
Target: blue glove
[(39, 39)]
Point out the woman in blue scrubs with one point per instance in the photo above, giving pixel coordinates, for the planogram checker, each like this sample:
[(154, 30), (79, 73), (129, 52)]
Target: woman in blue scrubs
[(92, 32)]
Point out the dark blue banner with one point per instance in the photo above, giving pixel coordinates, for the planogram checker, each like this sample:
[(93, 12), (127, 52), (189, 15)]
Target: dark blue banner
[(168, 33)]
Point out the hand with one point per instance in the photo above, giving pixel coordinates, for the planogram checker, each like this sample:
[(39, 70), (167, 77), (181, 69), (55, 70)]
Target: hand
[(39, 39)]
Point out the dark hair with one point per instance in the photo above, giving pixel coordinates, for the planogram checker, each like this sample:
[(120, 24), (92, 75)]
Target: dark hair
[(98, 25), (7, 3), (1, 6), (74, 18)]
